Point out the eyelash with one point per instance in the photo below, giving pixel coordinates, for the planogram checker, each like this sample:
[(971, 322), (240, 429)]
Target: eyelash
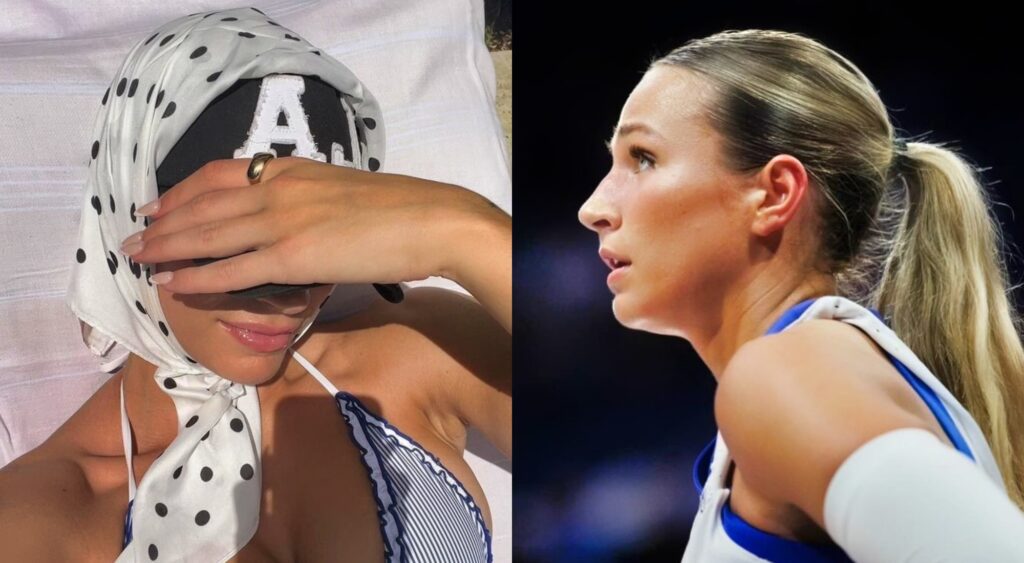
[(639, 154)]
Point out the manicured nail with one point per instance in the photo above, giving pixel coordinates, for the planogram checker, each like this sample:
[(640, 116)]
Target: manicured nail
[(137, 237), (149, 208), (133, 248), (162, 277)]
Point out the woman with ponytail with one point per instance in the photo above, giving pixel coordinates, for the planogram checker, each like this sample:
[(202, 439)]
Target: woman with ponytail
[(758, 193)]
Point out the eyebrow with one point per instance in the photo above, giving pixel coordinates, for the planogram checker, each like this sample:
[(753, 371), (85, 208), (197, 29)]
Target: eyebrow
[(629, 127)]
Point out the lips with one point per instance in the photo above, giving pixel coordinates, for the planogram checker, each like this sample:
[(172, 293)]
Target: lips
[(612, 259), (262, 328)]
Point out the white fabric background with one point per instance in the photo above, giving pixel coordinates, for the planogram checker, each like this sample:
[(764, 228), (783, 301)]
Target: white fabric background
[(425, 61)]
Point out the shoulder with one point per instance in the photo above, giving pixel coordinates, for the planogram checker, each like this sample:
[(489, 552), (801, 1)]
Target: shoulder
[(40, 498), (442, 346), (793, 406)]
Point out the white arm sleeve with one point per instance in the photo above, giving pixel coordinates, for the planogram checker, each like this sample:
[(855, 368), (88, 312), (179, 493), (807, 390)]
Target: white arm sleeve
[(905, 496)]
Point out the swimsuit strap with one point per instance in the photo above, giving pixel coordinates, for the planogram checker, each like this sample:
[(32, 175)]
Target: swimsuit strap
[(316, 373), (126, 437)]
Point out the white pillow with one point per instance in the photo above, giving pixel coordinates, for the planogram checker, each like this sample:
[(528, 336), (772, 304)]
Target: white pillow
[(425, 61)]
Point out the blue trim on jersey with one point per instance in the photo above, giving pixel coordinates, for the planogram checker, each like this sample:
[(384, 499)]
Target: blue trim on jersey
[(935, 405), (774, 548), (702, 466)]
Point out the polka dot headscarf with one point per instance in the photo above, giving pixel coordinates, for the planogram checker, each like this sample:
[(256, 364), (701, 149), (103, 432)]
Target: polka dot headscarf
[(200, 500)]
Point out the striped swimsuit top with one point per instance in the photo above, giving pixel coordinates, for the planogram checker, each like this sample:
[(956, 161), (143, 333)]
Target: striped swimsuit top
[(719, 534), (425, 512)]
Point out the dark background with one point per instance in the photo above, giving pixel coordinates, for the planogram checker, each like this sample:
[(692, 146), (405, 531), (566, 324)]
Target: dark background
[(608, 420)]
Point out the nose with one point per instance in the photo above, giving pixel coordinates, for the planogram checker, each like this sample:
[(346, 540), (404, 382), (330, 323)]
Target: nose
[(597, 213), (290, 302)]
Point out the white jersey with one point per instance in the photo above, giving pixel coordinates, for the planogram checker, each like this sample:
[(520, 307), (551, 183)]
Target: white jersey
[(721, 536)]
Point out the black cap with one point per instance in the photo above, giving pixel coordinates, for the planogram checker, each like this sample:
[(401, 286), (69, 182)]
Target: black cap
[(223, 129)]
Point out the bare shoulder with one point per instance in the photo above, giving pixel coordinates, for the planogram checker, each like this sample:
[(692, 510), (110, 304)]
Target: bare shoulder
[(793, 406), (443, 346), (41, 496)]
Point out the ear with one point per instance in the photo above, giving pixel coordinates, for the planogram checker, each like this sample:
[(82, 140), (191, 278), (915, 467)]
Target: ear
[(781, 187)]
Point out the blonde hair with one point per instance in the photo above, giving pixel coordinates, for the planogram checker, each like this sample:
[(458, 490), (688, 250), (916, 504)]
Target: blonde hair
[(909, 234)]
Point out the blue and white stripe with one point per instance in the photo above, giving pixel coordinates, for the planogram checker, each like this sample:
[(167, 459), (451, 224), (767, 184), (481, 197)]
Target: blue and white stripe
[(437, 519)]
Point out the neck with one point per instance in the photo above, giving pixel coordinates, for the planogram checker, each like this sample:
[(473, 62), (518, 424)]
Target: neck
[(750, 314), (150, 411)]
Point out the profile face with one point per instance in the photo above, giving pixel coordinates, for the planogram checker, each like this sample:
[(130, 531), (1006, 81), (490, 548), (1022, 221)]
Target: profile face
[(197, 321), (668, 207)]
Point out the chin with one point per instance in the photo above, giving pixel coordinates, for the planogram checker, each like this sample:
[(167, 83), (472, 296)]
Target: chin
[(631, 316)]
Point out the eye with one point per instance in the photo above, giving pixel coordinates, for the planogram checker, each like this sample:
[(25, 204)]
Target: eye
[(641, 156)]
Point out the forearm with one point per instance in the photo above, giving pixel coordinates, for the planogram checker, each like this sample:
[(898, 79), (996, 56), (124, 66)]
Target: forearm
[(476, 247)]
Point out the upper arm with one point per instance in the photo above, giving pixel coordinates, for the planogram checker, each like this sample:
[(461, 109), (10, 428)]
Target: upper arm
[(471, 361), (792, 410), (35, 525)]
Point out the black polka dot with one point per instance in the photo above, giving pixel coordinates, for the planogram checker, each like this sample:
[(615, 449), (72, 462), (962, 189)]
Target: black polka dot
[(145, 221), (246, 34), (374, 164), (370, 122), (198, 53), (95, 148), (136, 268), (202, 517), (169, 383), (152, 552), (147, 277), (191, 421), (80, 255), (317, 53), (135, 151), (169, 110), (150, 93), (289, 36), (133, 212), (258, 10), (121, 85), (191, 360), (159, 98), (134, 85), (166, 39), (206, 474), (236, 424), (213, 76), (210, 14), (140, 308), (112, 207), (106, 95), (246, 472), (151, 38), (177, 472), (229, 19), (163, 328), (205, 436), (112, 262), (273, 23), (161, 509)]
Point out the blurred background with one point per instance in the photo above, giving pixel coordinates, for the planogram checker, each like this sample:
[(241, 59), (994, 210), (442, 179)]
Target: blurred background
[(608, 420)]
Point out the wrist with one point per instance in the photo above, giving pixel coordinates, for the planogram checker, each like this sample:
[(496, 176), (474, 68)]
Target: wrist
[(475, 233)]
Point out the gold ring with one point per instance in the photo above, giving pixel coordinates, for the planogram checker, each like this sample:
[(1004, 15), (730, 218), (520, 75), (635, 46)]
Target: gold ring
[(259, 160)]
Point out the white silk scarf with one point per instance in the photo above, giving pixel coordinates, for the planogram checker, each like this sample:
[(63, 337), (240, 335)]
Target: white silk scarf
[(200, 500)]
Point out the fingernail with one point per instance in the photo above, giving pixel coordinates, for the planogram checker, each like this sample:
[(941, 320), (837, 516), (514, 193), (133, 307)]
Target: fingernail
[(133, 248), (162, 277), (149, 208), (137, 237)]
